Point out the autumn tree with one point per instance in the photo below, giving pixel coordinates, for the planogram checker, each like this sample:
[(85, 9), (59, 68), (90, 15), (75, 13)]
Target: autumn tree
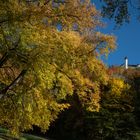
[(49, 49)]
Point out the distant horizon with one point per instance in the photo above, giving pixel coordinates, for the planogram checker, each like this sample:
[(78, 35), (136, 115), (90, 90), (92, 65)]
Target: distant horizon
[(123, 63)]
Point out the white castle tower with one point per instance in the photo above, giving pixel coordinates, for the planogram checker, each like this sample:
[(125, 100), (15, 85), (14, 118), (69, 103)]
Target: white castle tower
[(126, 63)]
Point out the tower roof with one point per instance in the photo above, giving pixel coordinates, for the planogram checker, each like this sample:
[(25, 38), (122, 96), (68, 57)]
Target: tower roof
[(126, 57)]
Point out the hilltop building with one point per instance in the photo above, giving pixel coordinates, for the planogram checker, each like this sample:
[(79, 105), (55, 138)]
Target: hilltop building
[(127, 65)]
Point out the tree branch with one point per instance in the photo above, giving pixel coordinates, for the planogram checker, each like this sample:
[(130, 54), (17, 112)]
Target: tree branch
[(14, 82), (3, 59)]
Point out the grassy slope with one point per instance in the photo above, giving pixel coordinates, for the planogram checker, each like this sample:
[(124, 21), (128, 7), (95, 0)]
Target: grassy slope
[(5, 136)]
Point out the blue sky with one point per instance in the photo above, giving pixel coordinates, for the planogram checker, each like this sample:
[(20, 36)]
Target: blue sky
[(128, 40)]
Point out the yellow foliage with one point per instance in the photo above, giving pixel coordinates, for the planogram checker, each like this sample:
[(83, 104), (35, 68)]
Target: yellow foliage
[(118, 86), (41, 65)]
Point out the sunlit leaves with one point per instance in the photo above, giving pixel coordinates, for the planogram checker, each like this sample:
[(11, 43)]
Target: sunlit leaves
[(118, 86), (41, 65)]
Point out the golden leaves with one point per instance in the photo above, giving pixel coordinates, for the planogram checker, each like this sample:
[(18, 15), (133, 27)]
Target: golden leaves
[(118, 86), (59, 62)]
